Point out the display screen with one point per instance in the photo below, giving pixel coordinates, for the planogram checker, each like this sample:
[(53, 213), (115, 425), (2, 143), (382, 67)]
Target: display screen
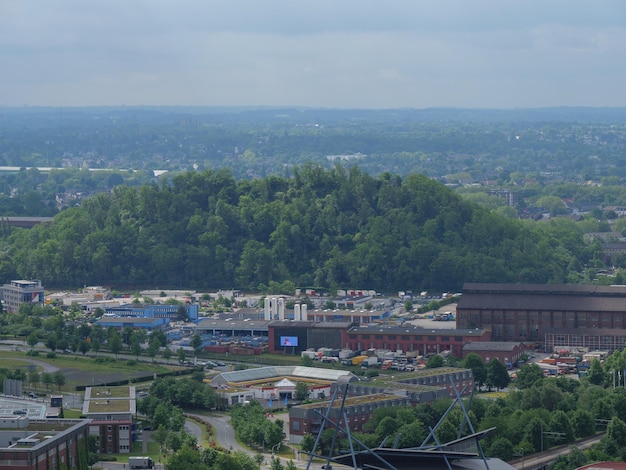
[(288, 340)]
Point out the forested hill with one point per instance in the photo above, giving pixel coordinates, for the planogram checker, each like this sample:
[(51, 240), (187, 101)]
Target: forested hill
[(331, 228)]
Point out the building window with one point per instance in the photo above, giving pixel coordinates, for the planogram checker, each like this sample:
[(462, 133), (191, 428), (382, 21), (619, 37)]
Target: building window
[(392, 336), (418, 338), (405, 337), (445, 338), (365, 336), (378, 336), (458, 339)]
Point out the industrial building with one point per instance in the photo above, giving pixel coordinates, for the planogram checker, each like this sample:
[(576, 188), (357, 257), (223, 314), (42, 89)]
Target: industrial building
[(551, 316), (409, 338), (168, 311)]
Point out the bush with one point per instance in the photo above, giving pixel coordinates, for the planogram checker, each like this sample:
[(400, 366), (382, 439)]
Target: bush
[(103, 359), (131, 362), (51, 355), (32, 352)]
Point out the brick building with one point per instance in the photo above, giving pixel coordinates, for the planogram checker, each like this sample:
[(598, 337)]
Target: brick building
[(407, 389), (43, 444), (424, 341), (111, 411)]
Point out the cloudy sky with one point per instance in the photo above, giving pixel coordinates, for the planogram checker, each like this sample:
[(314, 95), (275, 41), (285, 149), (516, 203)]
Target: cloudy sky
[(326, 53)]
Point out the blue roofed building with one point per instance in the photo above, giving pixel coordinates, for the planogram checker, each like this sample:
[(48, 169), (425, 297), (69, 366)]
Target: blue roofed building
[(153, 311), (134, 322)]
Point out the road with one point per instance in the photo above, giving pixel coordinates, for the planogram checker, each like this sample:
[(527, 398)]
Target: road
[(223, 433)]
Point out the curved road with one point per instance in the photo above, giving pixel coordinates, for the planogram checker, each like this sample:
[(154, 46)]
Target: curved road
[(48, 368), (223, 432)]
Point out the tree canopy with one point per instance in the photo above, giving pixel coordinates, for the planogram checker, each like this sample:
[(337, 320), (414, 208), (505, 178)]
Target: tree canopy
[(326, 228)]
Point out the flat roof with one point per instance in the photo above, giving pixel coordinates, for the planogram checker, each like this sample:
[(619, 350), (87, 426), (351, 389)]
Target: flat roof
[(120, 319), (491, 346), (558, 297), (354, 400), (210, 323), (409, 329)]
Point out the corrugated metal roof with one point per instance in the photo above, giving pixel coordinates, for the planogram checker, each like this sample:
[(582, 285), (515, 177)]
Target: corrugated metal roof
[(543, 297), (281, 371)]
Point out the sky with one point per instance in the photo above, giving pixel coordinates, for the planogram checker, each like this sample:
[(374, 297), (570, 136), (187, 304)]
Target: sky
[(327, 53)]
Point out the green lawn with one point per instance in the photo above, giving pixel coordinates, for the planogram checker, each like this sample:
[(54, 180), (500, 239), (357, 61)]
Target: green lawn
[(85, 370)]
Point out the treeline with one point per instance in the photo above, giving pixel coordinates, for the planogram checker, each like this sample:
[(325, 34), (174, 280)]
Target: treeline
[(331, 228)]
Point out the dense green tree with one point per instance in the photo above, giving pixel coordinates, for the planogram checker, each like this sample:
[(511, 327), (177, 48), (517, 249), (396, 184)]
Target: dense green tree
[(435, 361), (114, 341), (474, 362), (302, 391), (196, 342), (185, 459), (501, 448), (358, 229), (497, 374), (597, 376), (528, 375)]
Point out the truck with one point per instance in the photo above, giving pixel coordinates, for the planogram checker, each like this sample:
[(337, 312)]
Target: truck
[(357, 360), (140, 462), (371, 361)]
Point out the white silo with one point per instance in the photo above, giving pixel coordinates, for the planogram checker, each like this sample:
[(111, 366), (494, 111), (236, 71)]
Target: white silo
[(296, 312), (303, 314), (274, 309), (281, 308), (266, 309)]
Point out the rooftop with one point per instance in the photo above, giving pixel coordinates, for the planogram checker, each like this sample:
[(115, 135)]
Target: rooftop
[(354, 401)]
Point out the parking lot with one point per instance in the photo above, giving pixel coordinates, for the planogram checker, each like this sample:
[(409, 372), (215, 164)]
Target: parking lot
[(33, 410)]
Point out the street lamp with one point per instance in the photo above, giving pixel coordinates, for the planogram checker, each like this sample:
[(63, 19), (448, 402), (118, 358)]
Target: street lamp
[(275, 446)]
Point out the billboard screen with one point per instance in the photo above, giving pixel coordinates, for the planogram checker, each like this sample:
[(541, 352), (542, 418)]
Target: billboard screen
[(288, 340)]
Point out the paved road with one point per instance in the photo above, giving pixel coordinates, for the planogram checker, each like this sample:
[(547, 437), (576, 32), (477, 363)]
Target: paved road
[(223, 433), (44, 365), (194, 429)]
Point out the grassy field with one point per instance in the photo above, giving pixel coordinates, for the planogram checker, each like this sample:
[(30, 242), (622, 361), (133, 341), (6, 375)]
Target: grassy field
[(85, 371)]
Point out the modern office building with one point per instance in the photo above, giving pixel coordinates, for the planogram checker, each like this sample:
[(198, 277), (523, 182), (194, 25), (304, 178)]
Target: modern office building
[(18, 292)]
